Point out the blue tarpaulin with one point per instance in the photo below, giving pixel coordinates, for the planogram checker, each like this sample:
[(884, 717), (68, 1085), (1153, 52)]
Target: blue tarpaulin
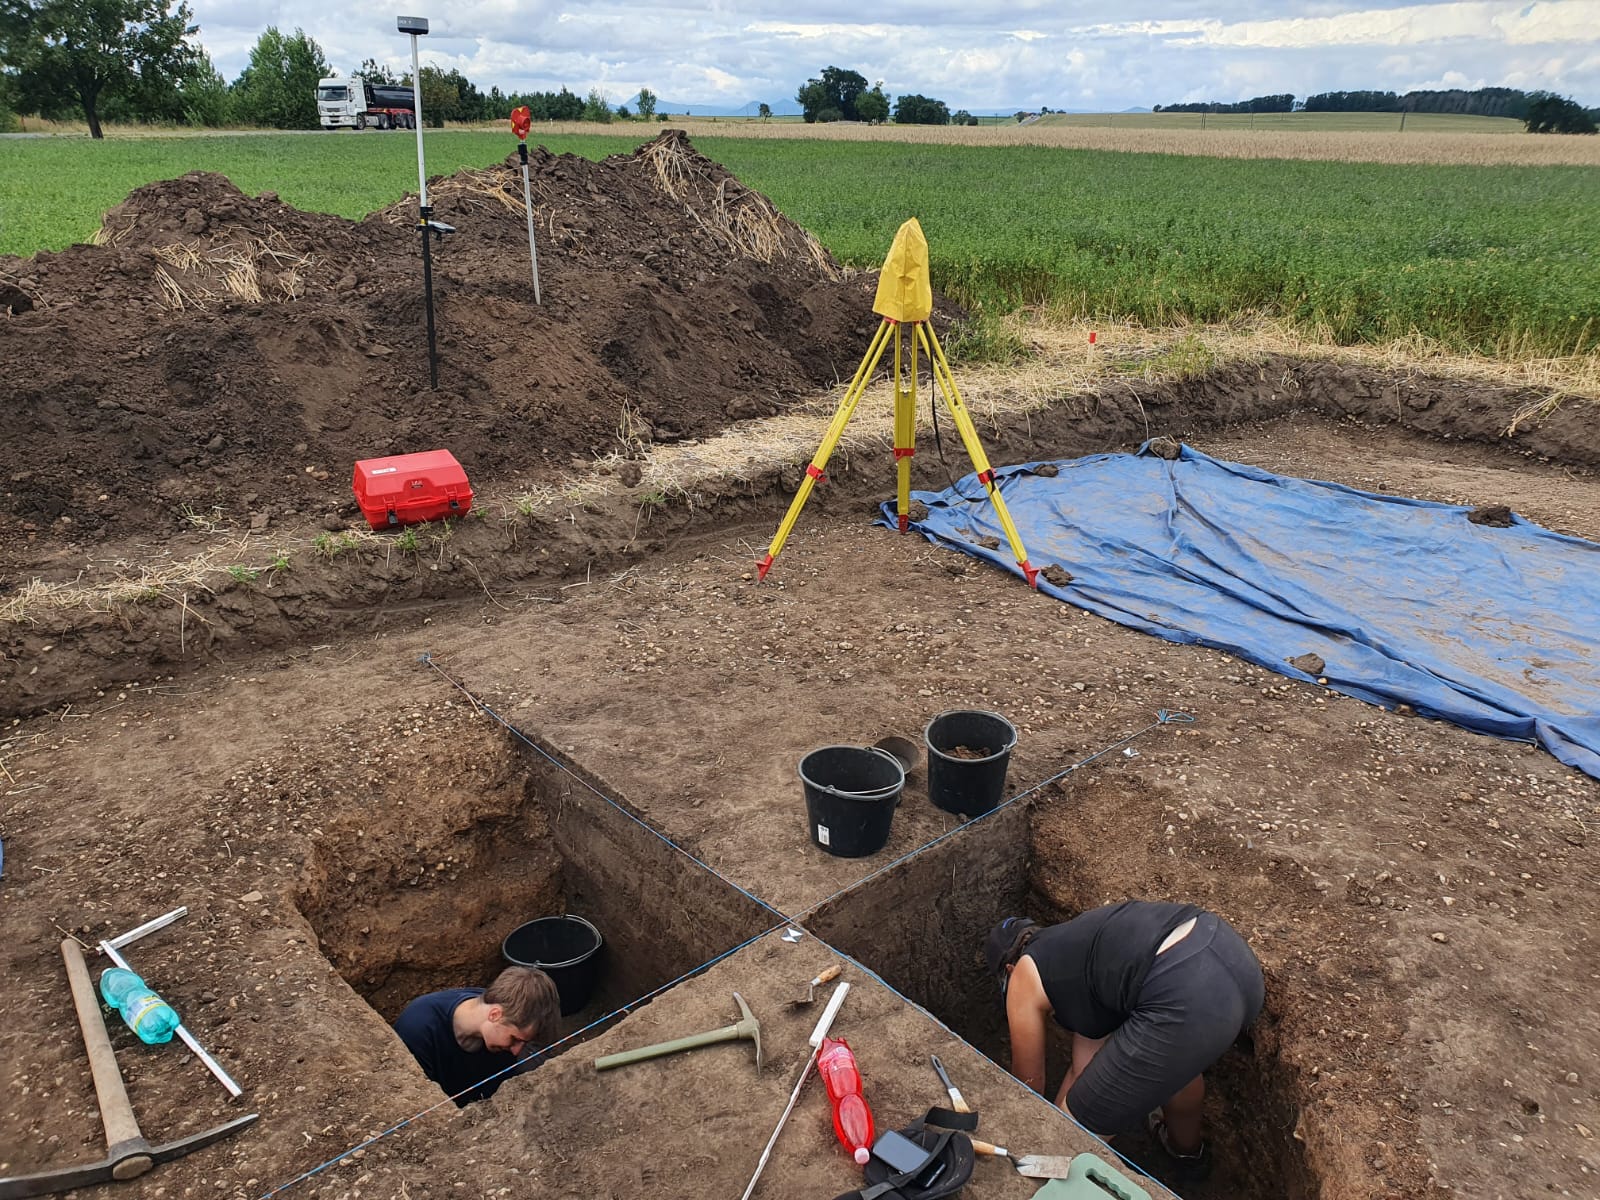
[(1405, 601)]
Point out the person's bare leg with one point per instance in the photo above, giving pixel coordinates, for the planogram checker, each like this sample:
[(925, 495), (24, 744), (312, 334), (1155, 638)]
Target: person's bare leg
[(1083, 1052), (1182, 1117)]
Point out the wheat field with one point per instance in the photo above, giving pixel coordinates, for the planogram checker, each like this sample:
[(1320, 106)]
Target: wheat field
[(1429, 144)]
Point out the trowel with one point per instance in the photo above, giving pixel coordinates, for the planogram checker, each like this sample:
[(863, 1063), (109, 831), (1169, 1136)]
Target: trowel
[(1034, 1166), (826, 976)]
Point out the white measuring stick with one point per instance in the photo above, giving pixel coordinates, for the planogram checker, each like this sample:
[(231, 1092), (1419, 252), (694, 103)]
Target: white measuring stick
[(211, 1064), (817, 1034), (826, 1020), (527, 202), (133, 935)]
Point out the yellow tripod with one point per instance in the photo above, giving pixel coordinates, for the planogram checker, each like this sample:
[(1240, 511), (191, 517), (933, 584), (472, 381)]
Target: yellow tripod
[(904, 301)]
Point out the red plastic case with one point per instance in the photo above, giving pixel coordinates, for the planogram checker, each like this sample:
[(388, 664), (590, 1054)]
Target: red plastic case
[(407, 488)]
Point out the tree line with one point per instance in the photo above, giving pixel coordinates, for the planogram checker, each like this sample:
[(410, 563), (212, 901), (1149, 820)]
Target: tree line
[(135, 61), (1540, 112), (1260, 104), (842, 95)]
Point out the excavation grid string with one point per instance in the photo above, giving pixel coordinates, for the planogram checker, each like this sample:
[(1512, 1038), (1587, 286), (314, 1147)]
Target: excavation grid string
[(1163, 717)]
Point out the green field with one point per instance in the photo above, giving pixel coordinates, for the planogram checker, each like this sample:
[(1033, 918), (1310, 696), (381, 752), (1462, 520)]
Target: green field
[(1484, 258)]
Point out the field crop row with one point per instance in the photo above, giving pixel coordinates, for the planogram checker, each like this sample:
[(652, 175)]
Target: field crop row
[(1488, 259), (1482, 258)]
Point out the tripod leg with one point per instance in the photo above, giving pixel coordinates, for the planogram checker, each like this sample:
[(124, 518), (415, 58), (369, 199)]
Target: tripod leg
[(969, 438), (830, 440), (905, 430)]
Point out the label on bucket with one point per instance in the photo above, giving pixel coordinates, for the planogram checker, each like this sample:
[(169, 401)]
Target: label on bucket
[(822, 834)]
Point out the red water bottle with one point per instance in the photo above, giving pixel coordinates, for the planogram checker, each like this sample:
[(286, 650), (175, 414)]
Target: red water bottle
[(852, 1119)]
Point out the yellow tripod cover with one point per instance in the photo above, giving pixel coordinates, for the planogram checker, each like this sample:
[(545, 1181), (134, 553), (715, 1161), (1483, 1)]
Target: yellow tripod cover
[(905, 291)]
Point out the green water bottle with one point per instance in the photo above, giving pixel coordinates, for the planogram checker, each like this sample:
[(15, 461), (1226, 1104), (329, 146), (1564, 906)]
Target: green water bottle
[(146, 1013)]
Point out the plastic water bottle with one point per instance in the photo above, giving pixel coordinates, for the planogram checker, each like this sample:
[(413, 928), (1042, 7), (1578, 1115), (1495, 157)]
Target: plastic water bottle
[(146, 1013), (852, 1119)]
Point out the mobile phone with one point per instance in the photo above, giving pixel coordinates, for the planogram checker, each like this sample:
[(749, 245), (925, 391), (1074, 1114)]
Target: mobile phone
[(900, 1152)]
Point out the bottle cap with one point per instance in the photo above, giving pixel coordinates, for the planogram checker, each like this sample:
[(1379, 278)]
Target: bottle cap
[(862, 1155)]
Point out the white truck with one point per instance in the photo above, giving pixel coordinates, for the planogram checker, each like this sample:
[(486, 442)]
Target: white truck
[(351, 102)]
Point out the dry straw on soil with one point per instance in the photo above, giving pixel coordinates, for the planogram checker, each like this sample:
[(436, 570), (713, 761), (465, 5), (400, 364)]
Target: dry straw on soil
[(196, 275), (744, 221)]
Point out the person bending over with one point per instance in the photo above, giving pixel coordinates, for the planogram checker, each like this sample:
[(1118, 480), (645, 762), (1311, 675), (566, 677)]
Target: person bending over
[(465, 1037), (1152, 993)]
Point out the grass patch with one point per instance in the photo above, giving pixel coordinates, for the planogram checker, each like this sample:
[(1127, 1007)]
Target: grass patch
[(54, 191), (1190, 357), (331, 545), (984, 338)]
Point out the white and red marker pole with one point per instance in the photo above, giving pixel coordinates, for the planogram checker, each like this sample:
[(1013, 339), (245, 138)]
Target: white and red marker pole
[(521, 121)]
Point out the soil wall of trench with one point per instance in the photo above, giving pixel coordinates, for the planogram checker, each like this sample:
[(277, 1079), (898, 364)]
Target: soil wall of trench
[(58, 656), (1277, 1130)]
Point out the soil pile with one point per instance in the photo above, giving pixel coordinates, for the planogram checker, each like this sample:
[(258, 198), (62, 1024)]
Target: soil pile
[(224, 355)]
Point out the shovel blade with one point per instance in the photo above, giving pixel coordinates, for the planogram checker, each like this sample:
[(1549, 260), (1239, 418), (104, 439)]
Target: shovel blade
[(1043, 1166)]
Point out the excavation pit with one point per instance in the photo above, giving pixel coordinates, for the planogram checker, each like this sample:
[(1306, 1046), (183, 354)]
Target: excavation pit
[(402, 912), (952, 894)]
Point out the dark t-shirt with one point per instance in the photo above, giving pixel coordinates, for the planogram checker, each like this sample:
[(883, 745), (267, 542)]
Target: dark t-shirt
[(1093, 966), (427, 1027)]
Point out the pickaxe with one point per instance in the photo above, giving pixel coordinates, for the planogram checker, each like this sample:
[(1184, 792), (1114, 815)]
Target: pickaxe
[(128, 1154), (748, 1028)]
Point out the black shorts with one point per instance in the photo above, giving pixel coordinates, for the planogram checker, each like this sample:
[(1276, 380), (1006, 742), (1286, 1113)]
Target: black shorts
[(1195, 1001)]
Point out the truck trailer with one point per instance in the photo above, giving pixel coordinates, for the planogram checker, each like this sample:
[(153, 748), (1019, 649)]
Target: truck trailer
[(354, 103)]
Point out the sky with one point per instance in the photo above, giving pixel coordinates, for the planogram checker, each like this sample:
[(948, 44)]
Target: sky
[(972, 54)]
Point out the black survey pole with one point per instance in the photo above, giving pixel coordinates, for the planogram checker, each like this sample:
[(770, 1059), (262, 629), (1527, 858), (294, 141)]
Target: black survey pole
[(427, 292), (416, 27)]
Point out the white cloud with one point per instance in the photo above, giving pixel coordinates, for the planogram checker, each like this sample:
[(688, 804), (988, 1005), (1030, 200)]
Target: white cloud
[(973, 54), (1545, 23)]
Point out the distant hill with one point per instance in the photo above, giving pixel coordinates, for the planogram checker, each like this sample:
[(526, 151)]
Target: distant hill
[(719, 108), (790, 108)]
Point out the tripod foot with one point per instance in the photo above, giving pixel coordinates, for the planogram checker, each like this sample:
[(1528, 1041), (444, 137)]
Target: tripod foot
[(762, 567), (1031, 573), (905, 522)]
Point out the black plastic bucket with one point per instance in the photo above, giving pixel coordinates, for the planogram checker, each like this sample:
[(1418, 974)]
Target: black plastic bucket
[(851, 793), (959, 784), (565, 948)]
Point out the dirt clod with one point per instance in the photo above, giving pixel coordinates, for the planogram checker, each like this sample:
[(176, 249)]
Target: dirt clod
[(1497, 516), (1058, 575), (1311, 664)]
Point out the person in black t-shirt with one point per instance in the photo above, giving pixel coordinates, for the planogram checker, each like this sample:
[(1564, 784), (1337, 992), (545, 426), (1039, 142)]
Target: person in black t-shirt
[(1152, 993), (468, 1039)]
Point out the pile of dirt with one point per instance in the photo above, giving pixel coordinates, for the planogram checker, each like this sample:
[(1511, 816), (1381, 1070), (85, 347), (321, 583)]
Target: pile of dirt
[(222, 352)]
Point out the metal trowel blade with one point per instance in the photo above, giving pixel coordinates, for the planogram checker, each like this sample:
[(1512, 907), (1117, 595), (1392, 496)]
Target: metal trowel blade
[(1043, 1166)]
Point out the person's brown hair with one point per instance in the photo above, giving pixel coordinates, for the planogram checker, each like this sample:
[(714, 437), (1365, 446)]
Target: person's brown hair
[(527, 998)]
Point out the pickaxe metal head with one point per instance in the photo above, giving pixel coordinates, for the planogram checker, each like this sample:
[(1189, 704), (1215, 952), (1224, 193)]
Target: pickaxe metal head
[(749, 1027)]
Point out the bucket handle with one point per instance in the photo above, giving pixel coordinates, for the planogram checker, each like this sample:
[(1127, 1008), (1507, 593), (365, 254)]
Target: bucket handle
[(876, 793)]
